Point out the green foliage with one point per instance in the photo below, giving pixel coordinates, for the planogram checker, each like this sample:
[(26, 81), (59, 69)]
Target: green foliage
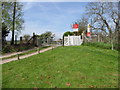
[(47, 36), (4, 33), (68, 33), (81, 66), (26, 37), (12, 16), (7, 15)]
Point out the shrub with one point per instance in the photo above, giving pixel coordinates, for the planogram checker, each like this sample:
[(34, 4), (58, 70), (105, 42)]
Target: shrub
[(15, 48), (8, 49)]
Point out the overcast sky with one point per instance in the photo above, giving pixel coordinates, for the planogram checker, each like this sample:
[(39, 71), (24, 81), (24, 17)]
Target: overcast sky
[(51, 16)]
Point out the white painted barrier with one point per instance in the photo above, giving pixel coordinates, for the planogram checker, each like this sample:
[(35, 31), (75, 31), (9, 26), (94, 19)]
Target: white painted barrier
[(72, 40)]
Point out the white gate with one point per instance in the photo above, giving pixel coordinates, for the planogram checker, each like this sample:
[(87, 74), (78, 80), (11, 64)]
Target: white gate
[(72, 40)]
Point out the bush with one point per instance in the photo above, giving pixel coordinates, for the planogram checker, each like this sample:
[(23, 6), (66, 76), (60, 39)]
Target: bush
[(68, 33), (15, 48), (8, 49)]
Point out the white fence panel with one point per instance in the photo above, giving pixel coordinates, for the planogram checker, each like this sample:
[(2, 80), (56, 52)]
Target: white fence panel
[(72, 40)]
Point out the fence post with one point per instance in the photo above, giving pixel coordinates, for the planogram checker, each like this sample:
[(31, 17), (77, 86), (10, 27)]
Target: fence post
[(63, 41), (38, 50), (18, 56)]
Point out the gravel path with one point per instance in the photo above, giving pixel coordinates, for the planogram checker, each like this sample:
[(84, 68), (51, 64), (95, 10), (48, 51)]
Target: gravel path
[(25, 56), (14, 53)]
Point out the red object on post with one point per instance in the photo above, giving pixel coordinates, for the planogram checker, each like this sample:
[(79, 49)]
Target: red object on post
[(75, 26), (88, 34)]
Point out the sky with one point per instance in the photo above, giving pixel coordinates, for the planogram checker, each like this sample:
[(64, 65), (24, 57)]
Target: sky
[(56, 17)]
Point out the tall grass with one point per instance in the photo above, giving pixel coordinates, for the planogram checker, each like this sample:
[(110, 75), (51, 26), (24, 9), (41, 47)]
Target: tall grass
[(100, 45)]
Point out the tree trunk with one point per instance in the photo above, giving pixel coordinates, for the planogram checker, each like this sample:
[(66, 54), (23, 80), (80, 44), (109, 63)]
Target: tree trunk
[(112, 47), (12, 42), (98, 38)]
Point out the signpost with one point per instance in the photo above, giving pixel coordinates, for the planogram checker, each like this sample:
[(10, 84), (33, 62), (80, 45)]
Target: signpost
[(88, 31)]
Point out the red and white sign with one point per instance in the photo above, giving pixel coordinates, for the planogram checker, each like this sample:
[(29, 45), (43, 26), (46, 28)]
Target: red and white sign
[(75, 27), (88, 34)]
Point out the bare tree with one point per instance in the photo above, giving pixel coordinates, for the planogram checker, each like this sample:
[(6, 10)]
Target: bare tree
[(82, 25), (105, 18)]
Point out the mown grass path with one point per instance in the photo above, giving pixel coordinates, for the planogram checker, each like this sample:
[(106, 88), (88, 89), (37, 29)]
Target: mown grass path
[(64, 67)]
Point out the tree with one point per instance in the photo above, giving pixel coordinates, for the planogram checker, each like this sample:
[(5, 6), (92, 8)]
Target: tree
[(68, 33), (82, 25), (26, 37), (105, 18), (13, 29), (4, 33), (47, 36), (12, 16)]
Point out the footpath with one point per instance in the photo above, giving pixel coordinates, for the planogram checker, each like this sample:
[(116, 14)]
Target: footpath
[(25, 56)]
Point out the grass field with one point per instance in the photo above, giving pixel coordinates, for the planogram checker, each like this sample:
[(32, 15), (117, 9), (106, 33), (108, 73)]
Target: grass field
[(64, 67)]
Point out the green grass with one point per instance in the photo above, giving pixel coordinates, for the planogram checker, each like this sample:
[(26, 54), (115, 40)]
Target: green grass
[(64, 67), (25, 53)]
